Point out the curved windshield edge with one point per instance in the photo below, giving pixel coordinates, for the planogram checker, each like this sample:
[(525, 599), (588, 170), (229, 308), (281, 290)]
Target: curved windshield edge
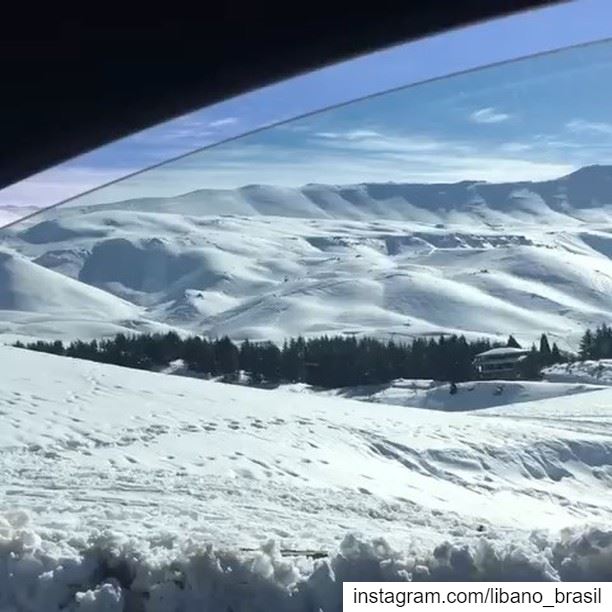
[(498, 41)]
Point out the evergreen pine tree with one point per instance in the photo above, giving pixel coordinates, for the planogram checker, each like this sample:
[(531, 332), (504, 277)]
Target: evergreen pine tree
[(586, 345), (531, 365), (270, 362), (555, 354), (512, 343), (604, 342), (545, 352), (226, 356)]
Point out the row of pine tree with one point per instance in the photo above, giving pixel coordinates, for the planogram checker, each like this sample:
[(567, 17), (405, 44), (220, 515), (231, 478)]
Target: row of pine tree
[(327, 361), (597, 344)]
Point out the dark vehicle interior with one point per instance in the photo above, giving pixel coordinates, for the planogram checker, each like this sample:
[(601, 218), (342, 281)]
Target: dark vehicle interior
[(73, 82)]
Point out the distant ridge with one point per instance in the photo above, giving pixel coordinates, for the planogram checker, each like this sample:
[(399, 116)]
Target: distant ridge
[(577, 196)]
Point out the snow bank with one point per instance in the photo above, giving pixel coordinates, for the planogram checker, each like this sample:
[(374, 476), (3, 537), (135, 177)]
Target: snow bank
[(107, 573), (597, 372), (469, 396)]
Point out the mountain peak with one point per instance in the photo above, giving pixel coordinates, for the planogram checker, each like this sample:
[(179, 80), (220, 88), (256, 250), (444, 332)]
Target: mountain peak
[(591, 171)]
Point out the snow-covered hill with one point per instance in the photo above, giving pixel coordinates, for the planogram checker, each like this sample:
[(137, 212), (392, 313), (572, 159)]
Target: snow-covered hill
[(10, 214), (274, 277), (114, 482), (38, 302)]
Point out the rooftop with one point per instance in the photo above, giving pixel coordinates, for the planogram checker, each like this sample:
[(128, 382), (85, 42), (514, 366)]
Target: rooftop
[(504, 351)]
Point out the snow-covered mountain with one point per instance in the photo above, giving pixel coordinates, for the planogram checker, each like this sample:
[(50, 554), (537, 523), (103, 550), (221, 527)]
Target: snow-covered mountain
[(268, 263), (584, 195), (126, 486)]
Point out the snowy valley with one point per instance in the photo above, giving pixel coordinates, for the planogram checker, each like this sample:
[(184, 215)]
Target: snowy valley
[(267, 263)]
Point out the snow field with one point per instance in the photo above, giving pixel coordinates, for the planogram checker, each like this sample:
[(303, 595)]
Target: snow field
[(155, 492)]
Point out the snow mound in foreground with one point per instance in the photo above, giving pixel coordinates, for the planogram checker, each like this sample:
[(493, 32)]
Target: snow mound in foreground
[(107, 573), (129, 477)]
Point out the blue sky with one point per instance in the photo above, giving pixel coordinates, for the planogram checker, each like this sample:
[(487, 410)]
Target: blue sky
[(527, 120)]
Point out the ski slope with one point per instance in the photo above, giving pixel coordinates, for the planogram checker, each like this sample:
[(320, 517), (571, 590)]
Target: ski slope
[(115, 482)]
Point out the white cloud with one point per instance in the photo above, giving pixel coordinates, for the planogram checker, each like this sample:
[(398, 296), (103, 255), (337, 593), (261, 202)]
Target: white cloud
[(184, 133), (515, 147), (488, 115), (59, 183), (242, 164), (337, 157), (369, 141), (349, 135), (582, 126), (290, 125), (222, 122)]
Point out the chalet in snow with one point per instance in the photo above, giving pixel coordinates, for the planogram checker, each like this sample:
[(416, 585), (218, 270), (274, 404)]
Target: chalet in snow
[(501, 362)]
